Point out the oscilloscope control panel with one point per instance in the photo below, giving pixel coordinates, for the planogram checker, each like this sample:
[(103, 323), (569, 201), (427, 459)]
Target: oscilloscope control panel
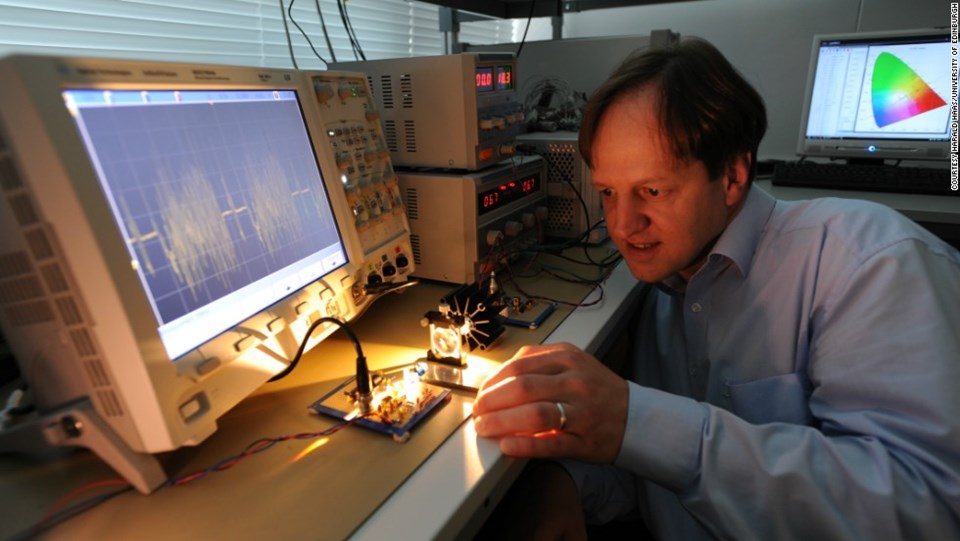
[(353, 139), (96, 240)]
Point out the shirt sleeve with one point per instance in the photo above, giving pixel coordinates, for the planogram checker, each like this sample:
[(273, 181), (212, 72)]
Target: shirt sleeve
[(606, 492), (881, 457)]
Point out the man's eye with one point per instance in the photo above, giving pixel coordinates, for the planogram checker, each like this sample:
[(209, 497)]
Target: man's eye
[(652, 192), (606, 192)]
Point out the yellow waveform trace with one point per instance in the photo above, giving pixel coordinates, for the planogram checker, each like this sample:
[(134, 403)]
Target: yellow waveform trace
[(195, 236), (137, 238), (274, 218), (232, 208)]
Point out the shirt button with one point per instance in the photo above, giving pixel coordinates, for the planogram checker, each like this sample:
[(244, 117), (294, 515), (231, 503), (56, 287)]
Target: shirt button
[(696, 307)]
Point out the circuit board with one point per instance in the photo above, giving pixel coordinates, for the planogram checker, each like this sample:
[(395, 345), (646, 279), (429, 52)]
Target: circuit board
[(400, 401)]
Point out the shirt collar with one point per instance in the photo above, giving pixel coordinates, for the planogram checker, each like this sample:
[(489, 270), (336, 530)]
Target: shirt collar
[(739, 240)]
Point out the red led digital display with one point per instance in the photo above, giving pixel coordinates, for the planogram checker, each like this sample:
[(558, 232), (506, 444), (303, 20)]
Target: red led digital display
[(484, 79), (493, 198), (504, 77)]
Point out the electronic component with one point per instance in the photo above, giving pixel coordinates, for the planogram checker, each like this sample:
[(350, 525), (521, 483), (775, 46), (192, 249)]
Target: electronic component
[(531, 314), (575, 208), (171, 231), (468, 318), (457, 111), (399, 401), (463, 224)]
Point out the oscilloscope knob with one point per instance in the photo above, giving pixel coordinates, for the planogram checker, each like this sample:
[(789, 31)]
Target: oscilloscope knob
[(346, 91), (323, 93)]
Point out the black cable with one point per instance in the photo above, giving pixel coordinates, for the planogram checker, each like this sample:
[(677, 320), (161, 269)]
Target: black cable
[(326, 36), (354, 43), (583, 204), (343, 21), (529, 18), (286, 30), (304, 34), (346, 14), (515, 285), (306, 338)]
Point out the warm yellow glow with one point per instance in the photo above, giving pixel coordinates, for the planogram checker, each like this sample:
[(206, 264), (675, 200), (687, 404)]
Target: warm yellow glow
[(316, 444)]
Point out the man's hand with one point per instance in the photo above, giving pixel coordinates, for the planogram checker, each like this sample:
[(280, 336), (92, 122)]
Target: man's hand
[(518, 404)]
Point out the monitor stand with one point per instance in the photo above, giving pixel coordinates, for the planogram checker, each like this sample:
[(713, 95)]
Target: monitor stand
[(78, 425)]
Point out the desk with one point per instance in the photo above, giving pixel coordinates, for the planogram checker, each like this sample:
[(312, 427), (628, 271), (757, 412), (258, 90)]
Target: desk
[(448, 496), (919, 208), (466, 477)]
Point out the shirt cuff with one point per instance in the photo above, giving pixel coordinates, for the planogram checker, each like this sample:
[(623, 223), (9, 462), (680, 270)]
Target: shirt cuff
[(662, 439)]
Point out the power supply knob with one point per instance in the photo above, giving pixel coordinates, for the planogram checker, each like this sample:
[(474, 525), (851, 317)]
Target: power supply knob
[(528, 220), (512, 229)]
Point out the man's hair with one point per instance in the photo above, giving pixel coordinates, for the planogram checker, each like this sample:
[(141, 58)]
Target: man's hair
[(708, 111)]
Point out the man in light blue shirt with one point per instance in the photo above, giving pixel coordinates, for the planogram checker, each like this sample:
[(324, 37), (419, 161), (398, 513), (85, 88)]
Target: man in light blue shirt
[(796, 371)]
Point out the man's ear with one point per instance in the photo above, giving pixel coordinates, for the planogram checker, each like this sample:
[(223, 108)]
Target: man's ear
[(736, 181)]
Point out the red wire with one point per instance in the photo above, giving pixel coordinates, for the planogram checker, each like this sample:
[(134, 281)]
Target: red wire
[(62, 502)]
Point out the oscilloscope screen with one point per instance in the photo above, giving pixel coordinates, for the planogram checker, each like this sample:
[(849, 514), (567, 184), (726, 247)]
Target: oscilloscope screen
[(219, 196)]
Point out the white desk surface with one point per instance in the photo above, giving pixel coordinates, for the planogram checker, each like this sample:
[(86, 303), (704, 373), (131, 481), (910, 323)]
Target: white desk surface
[(921, 208), (456, 489)]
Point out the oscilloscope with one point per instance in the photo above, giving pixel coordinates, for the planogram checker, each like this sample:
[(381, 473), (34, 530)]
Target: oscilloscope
[(170, 233)]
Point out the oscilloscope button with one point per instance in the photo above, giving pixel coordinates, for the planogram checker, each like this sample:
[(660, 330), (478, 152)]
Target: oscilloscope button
[(207, 365), (276, 324), (244, 343)]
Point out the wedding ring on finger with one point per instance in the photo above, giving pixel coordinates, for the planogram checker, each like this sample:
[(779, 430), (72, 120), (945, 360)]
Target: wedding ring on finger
[(563, 415)]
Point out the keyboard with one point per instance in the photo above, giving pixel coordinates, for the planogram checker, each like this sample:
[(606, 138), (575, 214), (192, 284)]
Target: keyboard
[(874, 178)]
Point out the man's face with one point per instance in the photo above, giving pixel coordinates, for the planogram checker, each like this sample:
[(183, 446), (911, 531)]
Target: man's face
[(663, 214)]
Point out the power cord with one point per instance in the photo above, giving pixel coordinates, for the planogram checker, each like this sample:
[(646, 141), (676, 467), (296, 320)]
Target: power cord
[(361, 360)]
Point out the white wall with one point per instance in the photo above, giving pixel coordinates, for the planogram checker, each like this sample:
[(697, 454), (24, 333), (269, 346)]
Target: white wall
[(768, 40)]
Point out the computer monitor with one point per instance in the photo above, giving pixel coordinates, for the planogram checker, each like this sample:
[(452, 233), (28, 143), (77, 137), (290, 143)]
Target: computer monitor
[(170, 234), (877, 96)]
